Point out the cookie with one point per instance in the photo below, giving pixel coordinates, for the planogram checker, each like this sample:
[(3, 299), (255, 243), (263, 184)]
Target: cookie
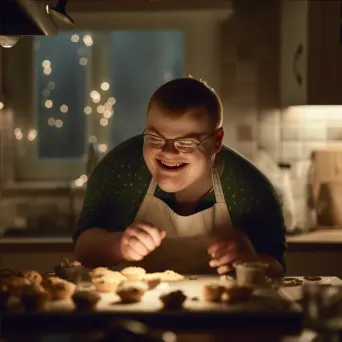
[(85, 300), (170, 276), (131, 291)]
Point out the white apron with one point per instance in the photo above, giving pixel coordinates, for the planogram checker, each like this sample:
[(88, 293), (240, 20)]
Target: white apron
[(185, 247)]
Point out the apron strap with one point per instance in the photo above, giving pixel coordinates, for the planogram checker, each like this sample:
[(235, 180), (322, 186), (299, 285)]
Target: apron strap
[(152, 187), (219, 195)]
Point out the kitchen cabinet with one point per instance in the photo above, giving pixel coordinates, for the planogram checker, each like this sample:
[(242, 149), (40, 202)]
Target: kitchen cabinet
[(311, 52)]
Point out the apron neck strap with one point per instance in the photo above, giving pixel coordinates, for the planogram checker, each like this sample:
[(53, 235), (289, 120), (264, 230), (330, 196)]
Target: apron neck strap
[(152, 187), (219, 195)]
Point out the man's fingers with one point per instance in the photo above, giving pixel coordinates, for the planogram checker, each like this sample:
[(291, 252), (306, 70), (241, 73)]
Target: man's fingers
[(225, 269), (138, 246), (132, 254), (145, 238), (153, 231), (223, 260)]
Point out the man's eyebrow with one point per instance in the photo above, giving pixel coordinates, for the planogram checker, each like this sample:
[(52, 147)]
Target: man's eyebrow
[(195, 135)]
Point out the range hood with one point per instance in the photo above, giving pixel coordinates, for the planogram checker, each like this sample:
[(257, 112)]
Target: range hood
[(19, 18)]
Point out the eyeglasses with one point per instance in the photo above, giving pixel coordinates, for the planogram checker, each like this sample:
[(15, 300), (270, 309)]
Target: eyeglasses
[(181, 145)]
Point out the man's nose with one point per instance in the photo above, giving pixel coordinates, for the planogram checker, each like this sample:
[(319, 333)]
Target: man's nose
[(169, 147)]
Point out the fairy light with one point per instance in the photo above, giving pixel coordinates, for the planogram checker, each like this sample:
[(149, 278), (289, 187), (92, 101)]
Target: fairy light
[(59, 123), (46, 92), (105, 86), (18, 134), (103, 148), (107, 114), (112, 101), (103, 122), (87, 110), (93, 139), (47, 71), (79, 182), (32, 134), (83, 61), (46, 64), (94, 94), (1, 105), (51, 122), (108, 106), (48, 104), (100, 109), (51, 85), (75, 38), (84, 178), (88, 40), (64, 108), (96, 100)]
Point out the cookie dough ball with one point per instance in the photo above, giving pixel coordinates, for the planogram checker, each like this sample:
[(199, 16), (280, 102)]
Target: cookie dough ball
[(213, 292), (85, 300), (173, 300), (131, 291), (133, 273)]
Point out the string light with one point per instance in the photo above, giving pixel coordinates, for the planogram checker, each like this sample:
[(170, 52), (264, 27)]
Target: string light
[(51, 122), (108, 106), (64, 108), (87, 110), (103, 122), (88, 40), (81, 180), (51, 85), (1, 105), (95, 95), (83, 61), (75, 38), (112, 101), (100, 109), (18, 134), (46, 93), (108, 114), (105, 86), (103, 148), (92, 139), (47, 71), (84, 178), (32, 135), (59, 123), (48, 104), (46, 64)]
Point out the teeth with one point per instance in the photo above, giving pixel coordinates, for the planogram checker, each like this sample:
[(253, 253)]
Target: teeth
[(171, 164)]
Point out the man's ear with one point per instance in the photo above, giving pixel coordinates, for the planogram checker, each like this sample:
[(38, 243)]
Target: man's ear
[(219, 139)]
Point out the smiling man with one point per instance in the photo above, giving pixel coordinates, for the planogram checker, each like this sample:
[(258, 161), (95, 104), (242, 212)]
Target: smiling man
[(176, 198)]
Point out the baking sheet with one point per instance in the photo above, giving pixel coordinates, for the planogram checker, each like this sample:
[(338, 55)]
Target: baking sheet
[(295, 293)]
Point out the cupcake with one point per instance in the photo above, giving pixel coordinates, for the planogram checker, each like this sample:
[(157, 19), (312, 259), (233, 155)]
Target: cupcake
[(4, 295), (106, 283), (173, 300), (98, 272), (85, 300), (33, 276), (58, 288), (133, 273), (34, 297), (171, 276), (237, 293), (213, 292), (131, 291)]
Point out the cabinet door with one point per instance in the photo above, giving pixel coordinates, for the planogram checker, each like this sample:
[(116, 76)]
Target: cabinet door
[(332, 52)]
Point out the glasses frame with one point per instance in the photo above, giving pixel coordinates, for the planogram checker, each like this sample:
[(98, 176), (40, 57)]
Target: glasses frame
[(173, 141)]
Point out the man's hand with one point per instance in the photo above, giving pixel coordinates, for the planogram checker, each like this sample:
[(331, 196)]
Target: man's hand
[(139, 240), (237, 249)]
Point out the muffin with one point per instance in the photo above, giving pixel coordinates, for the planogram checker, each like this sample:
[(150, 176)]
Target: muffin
[(98, 272), (85, 300), (237, 293), (58, 288), (170, 276), (133, 273), (131, 291), (4, 295), (33, 276), (15, 285), (173, 300), (106, 283), (34, 297), (152, 280), (213, 292)]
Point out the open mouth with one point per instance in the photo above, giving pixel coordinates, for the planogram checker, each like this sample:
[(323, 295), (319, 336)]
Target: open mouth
[(171, 166)]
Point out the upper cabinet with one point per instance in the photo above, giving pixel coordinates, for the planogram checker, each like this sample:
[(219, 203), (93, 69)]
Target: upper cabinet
[(311, 52)]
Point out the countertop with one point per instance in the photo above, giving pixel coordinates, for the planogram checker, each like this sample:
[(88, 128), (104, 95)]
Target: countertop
[(323, 239)]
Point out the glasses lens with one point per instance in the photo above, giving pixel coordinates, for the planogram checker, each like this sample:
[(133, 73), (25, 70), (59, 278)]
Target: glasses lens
[(185, 146), (153, 141)]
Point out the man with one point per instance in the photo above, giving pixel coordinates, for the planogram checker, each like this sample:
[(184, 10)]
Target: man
[(175, 198)]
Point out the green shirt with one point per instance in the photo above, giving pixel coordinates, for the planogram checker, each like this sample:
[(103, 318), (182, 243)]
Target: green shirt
[(119, 183)]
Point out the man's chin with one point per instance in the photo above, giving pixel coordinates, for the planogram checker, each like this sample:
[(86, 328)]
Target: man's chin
[(170, 187)]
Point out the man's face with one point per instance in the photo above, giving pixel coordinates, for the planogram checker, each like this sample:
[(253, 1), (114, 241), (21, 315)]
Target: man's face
[(182, 169)]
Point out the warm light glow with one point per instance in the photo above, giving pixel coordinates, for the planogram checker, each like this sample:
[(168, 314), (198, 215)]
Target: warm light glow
[(51, 85), (100, 109), (95, 94), (92, 139), (51, 122), (88, 40), (103, 122), (108, 106), (1, 105), (79, 182), (19, 136), (84, 178), (108, 114), (105, 86), (103, 148), (46, 64), (112, 101), (64, 108), (314, 113), (47, 71), (59, 123), (75, 38), (48, 104), (96, 100), (87, 110), (17, 131), (32, 134), (83, 61), (46, 93)]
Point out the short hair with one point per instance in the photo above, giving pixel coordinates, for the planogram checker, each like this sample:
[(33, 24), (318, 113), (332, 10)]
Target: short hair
[(182, 94)]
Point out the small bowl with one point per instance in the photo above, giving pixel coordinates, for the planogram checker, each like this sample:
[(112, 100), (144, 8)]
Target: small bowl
[(70, 273)]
